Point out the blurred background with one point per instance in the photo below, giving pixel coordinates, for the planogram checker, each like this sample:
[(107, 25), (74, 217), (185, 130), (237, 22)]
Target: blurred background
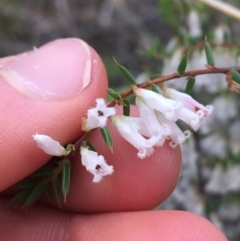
[(149, 37)]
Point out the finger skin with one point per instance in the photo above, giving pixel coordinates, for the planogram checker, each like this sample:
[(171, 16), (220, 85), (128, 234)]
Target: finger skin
[(135, 184), (45, 224), (23, 117)]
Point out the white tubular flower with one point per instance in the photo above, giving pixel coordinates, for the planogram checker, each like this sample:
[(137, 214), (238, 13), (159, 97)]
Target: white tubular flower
[(187, 101), (157, 102), (178, 137), (195, 120), (129, 128), (97, 117), (157, 131), (48, 145), (95, 164)]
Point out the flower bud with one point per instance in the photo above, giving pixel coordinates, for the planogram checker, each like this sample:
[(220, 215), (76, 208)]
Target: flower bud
[(48, 145)]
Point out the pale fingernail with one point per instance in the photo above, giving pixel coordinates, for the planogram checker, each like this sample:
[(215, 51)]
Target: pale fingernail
[(55, 71)]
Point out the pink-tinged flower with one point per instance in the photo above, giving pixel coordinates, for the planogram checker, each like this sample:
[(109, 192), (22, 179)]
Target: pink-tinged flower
[(157, 131), (158, 102), (187, 101), (95, 164), (177, 136), (97, 117), (129, 129), (48, 145)]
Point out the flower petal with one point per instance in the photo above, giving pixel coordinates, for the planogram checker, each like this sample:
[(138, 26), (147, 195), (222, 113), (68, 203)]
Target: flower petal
[(194, 120), (187, 101), (177, 136), (158, 133), (156, 101), (95, 164), (97, 117), (128, 128)]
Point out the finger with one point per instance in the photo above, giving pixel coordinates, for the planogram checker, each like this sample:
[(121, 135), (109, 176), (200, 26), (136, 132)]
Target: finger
[(135, 184), (46, 91), (42, 223)]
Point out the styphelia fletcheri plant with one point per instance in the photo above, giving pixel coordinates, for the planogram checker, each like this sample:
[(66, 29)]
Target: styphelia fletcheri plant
[(159, 110)]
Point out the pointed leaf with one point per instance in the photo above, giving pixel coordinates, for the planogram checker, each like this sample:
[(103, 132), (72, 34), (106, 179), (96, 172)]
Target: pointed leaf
[(113, 94), (126, 107), (91, 147), (57, 188), (209, 54), (235, 76), (155, 88), (233, 85), (107, 137), (20, 198), (27, 183), (32, 198), (190, 85), (126, 73), (182, 66), (43, 171), (66, 172)]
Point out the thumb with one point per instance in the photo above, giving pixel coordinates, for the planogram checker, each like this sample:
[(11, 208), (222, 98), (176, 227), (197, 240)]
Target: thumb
[(46, 90)]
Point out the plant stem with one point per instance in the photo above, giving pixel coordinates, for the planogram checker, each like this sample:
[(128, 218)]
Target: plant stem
[(165, 78), (224, 7), (159, 80)]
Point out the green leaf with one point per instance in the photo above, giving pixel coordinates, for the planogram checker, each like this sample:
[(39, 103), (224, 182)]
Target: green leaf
[(125, 73), (126, 107), (209, 54), (155, 88), (235, 76), (44, 171), (27, 183), (66, 173), (113, 94), (19, 198), (32, 198), (57, 188), (182, 66), (107, 137), (190, 85), (91, 147)]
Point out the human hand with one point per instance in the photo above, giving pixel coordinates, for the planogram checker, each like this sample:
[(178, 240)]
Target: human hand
[(113, 209)]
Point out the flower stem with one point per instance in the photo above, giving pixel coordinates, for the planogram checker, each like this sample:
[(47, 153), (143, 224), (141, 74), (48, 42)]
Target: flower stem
[(165, 78)]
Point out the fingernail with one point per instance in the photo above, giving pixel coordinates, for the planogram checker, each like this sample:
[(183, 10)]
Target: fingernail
[(55, 71)]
